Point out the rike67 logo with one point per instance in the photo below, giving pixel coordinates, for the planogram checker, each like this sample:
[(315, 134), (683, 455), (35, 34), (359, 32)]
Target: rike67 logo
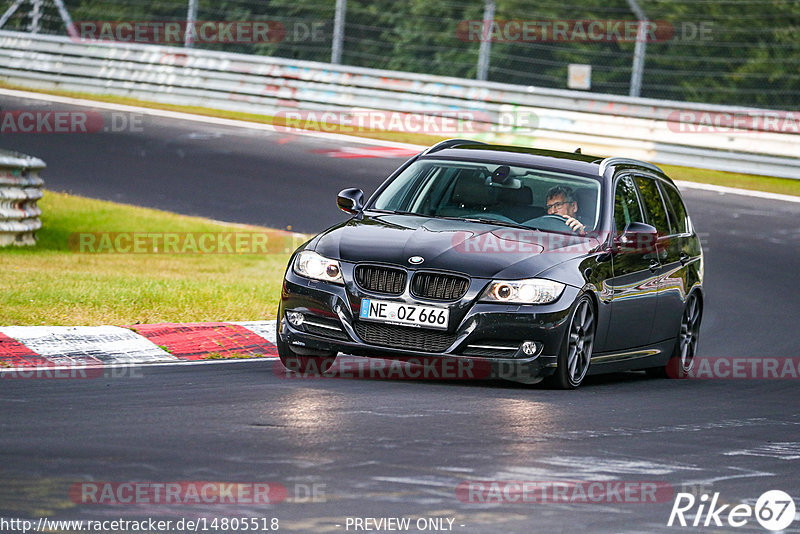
[(774, 510)]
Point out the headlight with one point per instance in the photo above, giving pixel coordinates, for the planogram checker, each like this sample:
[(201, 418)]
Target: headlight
[(529, 291), (311, 265)]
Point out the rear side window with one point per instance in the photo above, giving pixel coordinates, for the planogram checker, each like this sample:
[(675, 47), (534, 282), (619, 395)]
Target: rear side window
[(675, 208), (653, 204), (626, 205)]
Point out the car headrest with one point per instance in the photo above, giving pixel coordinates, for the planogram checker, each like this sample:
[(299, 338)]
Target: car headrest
[(471, 190), (515, 197)]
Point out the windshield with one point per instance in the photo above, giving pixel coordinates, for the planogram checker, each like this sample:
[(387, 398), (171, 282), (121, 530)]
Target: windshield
[(491, 192)]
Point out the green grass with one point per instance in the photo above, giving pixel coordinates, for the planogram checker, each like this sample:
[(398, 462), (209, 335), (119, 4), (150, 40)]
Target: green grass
[(785, 186), (52, 283)]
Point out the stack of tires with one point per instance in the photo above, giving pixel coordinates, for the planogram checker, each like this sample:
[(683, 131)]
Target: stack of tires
[(20, 189)]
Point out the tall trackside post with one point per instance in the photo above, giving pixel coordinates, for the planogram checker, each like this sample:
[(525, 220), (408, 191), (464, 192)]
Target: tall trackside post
[(338, 31), (639, 48), (191, 19), (36, 16), (486, 40)]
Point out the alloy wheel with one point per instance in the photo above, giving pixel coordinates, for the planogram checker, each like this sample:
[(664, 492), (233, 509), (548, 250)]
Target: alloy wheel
[(690, 329), (580, 342)]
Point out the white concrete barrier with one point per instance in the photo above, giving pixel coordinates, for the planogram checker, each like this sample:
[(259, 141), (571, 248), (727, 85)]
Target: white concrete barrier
[(747, 140)]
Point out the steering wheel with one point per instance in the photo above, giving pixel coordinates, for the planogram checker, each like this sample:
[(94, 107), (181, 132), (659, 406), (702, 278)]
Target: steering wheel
[(551, 222)]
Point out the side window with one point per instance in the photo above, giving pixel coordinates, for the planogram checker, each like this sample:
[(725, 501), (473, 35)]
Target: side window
[(653, 204), (675, 208), (626, 205)]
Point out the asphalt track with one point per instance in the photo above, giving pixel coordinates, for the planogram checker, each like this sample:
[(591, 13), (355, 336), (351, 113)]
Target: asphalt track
[(259, 177), (398, 448)]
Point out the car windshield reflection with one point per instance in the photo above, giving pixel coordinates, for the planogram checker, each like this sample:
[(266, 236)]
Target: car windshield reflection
[(494, 194)]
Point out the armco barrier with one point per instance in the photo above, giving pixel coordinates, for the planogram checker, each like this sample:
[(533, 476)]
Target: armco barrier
[(602, 124), (20, 188)]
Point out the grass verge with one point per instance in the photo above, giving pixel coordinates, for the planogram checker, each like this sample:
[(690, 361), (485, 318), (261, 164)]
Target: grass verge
[(784, 186), (55, 283)]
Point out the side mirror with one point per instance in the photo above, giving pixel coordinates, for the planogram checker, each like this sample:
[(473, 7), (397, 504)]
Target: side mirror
[(350, 201), (637, 237)]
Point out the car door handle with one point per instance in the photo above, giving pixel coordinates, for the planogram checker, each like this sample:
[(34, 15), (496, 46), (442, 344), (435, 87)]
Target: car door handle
[(654, 265), (684, 259)]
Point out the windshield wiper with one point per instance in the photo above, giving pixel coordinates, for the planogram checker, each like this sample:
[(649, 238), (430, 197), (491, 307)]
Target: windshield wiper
[(468, 219), (486, 221)]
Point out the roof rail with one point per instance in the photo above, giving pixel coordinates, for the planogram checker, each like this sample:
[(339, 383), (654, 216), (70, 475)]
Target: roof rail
[(450, 143), (609, 162)]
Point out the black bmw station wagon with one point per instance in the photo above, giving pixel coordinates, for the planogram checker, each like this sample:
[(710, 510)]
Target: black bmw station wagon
[(556, 265)]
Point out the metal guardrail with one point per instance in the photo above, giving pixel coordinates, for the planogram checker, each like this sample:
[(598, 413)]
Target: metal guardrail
[(603, 124), (20, 189)]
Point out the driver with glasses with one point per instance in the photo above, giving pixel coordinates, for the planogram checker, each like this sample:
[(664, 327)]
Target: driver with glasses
[(561, 202)]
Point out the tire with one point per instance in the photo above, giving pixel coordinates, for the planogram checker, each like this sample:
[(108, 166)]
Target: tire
[(682, 359), (576, 351), (306, 365)]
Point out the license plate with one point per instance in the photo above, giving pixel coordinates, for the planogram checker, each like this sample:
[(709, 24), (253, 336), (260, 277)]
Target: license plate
[(384, 311)]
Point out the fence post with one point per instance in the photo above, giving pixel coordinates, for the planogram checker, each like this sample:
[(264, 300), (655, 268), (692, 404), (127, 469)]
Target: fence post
[(36, 16), (191, 18), (639, 49), (338, 31), (486, 39)]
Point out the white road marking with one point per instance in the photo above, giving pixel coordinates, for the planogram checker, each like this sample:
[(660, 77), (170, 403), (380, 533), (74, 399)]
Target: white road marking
[(785, 450), (71, 345), (594, 465)]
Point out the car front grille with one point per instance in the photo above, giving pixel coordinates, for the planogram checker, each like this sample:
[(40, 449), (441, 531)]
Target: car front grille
[(380, 279), (439, 286), (404, 337)]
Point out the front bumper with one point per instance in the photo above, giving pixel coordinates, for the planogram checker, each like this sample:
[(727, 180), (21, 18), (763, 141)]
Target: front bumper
[(476, 333)]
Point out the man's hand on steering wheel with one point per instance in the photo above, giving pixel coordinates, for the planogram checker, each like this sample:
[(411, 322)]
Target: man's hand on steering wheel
[(574, 224)]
